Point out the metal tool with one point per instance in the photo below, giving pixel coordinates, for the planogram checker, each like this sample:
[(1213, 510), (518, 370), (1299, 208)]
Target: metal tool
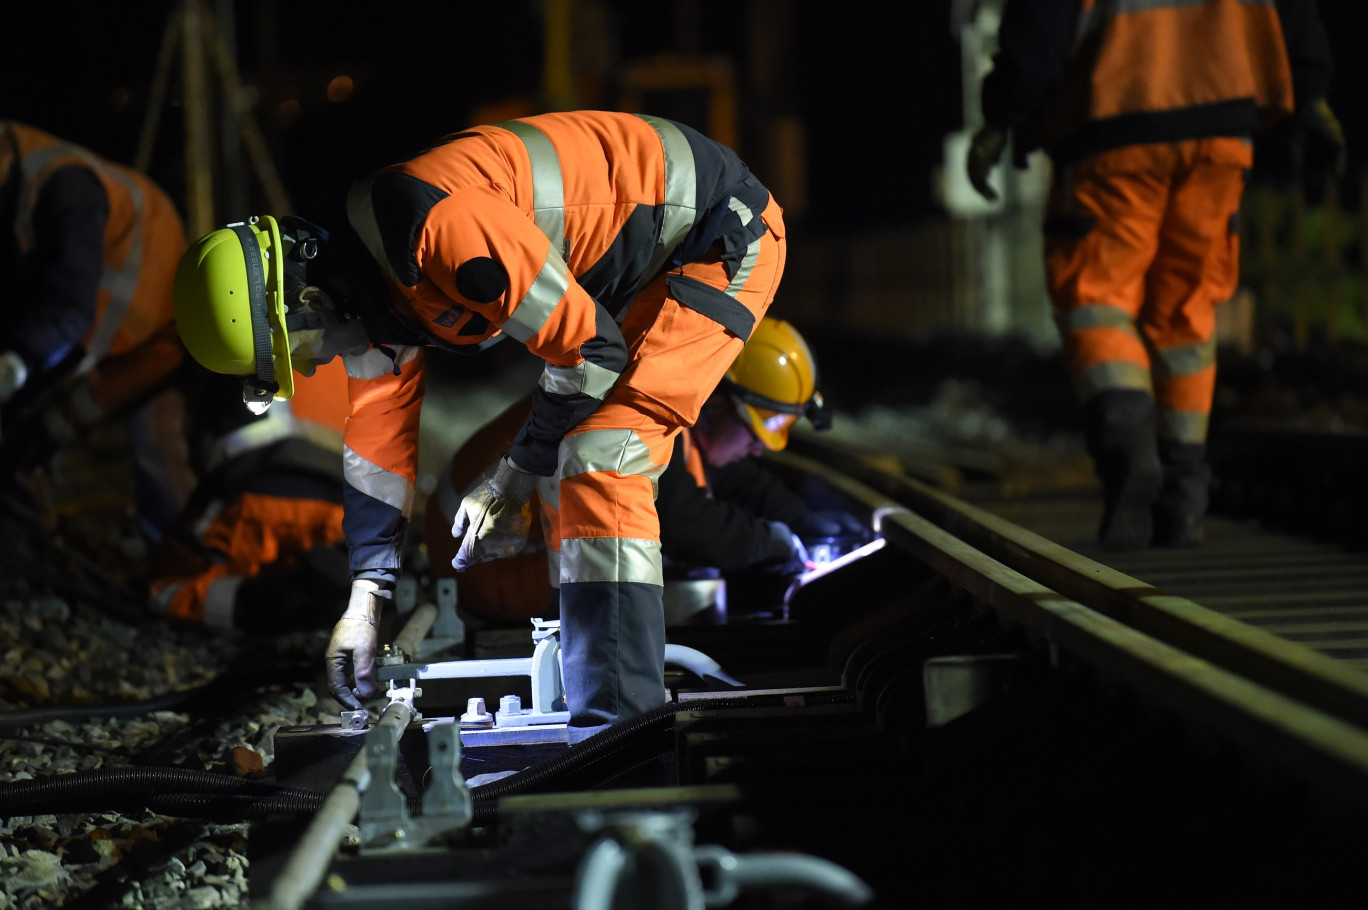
[(826, 568)]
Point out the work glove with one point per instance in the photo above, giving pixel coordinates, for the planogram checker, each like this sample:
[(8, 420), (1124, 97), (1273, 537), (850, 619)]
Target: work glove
[(495, 515), (13, 375), (790, 555), (1319, 145), (985, 149), (831, 523), (354, 643)]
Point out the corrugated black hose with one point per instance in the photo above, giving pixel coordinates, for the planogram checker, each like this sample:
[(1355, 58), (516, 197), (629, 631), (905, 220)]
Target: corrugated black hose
[(137, 787)]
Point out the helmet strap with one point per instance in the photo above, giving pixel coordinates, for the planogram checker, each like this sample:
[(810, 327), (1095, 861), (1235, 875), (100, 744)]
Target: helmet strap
[(756, 400), (256, 299)]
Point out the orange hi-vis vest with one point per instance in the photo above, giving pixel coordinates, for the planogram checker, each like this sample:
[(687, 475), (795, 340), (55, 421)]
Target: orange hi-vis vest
[(1146, 71), (143, 238)]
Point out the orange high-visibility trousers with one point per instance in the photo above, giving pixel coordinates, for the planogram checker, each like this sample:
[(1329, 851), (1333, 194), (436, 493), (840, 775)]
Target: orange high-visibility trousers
[(600, 504), (1140, 249)]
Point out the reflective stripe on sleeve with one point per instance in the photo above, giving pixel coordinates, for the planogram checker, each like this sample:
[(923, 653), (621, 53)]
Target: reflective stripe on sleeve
[(584, 379), (540, 300), (377, 483)]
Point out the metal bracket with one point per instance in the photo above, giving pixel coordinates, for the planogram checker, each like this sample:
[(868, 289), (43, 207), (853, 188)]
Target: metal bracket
[(448, 629), (543, 667), (383, 814)]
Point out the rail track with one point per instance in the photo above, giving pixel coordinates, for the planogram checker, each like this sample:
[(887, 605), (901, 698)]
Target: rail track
[(975, 713)]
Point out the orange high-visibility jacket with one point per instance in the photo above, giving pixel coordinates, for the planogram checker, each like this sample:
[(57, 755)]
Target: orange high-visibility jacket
[(87, 263), (1081, 77), (543, 229)]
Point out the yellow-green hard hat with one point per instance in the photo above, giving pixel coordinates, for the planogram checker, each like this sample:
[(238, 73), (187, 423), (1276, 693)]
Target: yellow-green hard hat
[(229, 304)]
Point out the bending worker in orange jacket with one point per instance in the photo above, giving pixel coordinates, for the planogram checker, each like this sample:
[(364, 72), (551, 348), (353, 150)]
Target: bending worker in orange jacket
[(718, 507), (632, 254), (87, 258), (1147, 110)]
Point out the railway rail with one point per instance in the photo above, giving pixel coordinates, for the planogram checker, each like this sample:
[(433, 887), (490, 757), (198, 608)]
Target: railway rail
[(973, 712)]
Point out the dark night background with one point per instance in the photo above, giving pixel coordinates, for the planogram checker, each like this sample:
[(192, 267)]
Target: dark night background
[(876, 86)]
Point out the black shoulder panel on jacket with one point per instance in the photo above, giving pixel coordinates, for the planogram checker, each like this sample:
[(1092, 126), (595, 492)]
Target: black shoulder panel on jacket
[(401, 204)]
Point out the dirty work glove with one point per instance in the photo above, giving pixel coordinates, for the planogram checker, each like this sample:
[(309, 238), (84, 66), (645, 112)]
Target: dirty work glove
[(789, 557), (354, 642), (984, 151), (13, 375), (1319, 145), (831, 523), (495, 515)]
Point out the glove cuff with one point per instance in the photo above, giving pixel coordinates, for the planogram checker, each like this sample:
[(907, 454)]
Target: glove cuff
[(516, 483), (365, 601)]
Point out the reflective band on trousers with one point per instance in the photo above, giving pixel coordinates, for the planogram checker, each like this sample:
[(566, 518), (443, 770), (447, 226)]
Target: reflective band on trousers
[(1097, 316), (612, 559), (376, 482), (1187, 359), (607, 450), (1103, 11), (1183, 426), (120, 282), (1114, 374)]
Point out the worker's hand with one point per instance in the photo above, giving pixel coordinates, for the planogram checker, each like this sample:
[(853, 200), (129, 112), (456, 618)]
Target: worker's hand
[(1320, 146), (354, 643), (984, 151), (13, 375), (495, 515), (831, 523), (790, 555)]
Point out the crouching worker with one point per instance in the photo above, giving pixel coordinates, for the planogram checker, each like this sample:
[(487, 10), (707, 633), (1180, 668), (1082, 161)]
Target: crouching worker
[(632, 254), (259, 548), (719, 507)]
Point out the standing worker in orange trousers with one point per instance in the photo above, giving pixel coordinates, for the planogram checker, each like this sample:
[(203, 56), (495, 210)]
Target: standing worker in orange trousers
[(631, 253), (87, 258), (1147, 110)]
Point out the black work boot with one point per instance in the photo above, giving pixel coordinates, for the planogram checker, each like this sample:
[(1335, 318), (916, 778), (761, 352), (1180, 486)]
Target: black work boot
[(1182, 501), (1119, 428)]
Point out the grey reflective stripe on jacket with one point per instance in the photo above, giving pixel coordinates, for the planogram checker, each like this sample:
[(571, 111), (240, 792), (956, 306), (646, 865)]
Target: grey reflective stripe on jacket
[(120, 283)]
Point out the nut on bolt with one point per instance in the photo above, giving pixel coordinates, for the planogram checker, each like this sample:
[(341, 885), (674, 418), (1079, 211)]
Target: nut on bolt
[(354, 720)]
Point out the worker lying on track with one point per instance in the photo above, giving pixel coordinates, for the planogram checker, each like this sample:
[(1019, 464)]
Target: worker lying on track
[(87, 260), (719, 507), (1146, 111), (259, 548), (548, 229)]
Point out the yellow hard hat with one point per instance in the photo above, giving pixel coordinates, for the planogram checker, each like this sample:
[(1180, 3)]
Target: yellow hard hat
[(229, 304), (773, 382)]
